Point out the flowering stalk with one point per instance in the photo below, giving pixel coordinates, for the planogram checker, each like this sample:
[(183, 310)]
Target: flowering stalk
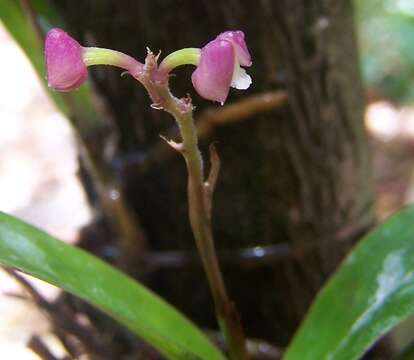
[(218, 68), (199, 199)]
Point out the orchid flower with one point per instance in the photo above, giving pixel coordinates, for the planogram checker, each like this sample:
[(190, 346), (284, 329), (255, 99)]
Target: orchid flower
[(218, 65), (67, 60)]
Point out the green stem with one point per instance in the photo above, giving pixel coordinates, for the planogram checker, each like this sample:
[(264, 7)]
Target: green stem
[(187, 56), (101, 56)]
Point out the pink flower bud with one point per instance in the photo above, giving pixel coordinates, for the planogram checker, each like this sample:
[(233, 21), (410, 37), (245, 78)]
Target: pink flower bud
[(219, 66), (65, 67)]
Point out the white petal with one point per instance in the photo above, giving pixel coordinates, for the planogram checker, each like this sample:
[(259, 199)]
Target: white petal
[(241, 80)]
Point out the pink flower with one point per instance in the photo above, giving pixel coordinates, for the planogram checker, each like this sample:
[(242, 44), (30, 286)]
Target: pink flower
[(65, 66), (219, 67)]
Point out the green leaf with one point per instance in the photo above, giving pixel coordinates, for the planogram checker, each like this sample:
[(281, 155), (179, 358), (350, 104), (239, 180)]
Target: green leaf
[(30, 250), (381, 26), (372, 291)]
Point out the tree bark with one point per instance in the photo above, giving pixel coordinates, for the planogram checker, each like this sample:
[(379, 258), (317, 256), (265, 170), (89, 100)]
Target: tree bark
[(295, 187)]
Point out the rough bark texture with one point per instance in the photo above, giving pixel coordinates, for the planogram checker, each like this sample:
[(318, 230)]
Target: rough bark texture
[(298, 177)]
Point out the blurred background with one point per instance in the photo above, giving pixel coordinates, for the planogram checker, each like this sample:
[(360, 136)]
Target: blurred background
[(39, 159)]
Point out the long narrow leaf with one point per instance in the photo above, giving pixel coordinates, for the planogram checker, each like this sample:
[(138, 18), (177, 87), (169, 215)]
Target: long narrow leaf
[(371, 292), (28, 249)]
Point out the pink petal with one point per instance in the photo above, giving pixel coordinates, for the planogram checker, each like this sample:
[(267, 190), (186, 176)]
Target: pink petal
[(64, 63), (237, 39), (213, 76)]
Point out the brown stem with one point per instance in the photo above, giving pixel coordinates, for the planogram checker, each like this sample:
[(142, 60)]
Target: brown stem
[(36, 344), (65, 325), (199, 207), (131, 237), (256, 348), (201, 227)]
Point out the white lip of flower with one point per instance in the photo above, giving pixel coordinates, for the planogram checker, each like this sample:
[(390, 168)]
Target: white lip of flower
[(241, 79)]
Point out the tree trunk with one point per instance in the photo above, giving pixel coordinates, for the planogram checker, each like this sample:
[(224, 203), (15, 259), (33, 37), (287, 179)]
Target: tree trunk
[(295, 189)]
